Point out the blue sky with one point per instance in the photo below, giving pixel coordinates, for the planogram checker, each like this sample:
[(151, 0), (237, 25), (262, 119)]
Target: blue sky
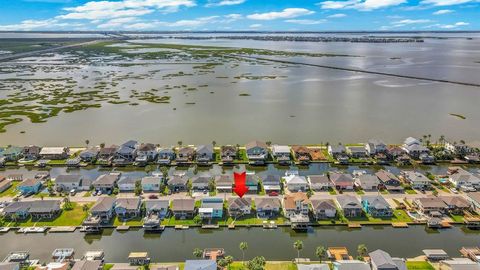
[(236, 15)]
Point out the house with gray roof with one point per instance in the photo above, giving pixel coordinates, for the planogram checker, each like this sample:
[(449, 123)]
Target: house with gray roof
[(350, 265), (461, 178), (350, 205), (185, 155), (257, 152), (272, 184), (282, 154), (319, 182), (376, 206), (224, 183), (127, 183), (106, 182), (183, 208), (128, 207), (430, 205), (200, 265), (103, 208), (315, 266), (342, 181), (146, 152), (368, 182), (67, 182), (323, 208), (267, 207), (165, 156), (89, 154), (38, 209), (151, 183), (389, 180), (357, 151), (31, 152), (417, 180), (381, 260), (204, 154), (126, 153), (239, 206), (201, 183), (177, 183), (159, 207), (375, 146), (228, 154), (414, 147)]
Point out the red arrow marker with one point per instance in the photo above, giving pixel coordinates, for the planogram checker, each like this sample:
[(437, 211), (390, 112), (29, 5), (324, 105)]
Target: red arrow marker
[(240, 184)]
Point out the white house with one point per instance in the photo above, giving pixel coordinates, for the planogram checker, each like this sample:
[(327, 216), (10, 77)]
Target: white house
[(417, 180), (461, 178), (296, 183), (375, 146), (127, 183), (319, 182)]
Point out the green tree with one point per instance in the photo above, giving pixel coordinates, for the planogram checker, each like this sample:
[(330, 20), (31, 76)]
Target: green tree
[(298, 245), (85, 207), (197, 219), (138, 188), (198, 253), (229, 260), (87, 142), (362, 250), (321, 253), (222, 263), (257, 263), (243, 246), (179, 144), (102, 145)]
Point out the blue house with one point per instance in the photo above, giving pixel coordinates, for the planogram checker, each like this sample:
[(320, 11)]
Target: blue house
[(151, 184), (211, 208), (30, 186)]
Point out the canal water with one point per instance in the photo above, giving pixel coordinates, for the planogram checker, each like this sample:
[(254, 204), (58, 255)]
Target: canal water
[(177, 245)]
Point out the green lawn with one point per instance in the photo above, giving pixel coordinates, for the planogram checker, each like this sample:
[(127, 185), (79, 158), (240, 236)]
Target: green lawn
[(252, 220), (172, 222), (72, 217), (410, 191), (138, 221), (419, 265), (268, 266), (457, 218), (398, 216), (11, 191)]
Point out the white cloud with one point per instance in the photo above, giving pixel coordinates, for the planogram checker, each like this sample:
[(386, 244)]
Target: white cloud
[(95, 10), (115, 23), (184, 24), (448, 26), (442, 11), (364, 5), (409, 21), (338, 15), (224, 3), (47, 24), (306, 22), (255, 25), (284, 14), (446, 2)]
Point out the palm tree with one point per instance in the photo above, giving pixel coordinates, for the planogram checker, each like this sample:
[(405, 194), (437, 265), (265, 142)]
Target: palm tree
[(362, 250), (442, 139), (198, 253), (243, 246), (321, 253), (268, 143), (87, 142), (229, 260), (214, 143), (179, 144), (85, 208), (102, 145), (298, 245)]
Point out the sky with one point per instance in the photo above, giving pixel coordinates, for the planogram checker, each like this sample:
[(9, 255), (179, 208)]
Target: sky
[(239, 15)]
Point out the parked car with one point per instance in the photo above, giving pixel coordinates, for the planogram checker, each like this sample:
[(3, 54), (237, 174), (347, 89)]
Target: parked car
[(153, 196), (454, 190), (273, 194), (73, 192)]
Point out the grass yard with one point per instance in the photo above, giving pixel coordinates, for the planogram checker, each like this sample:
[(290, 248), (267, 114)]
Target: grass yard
[(268, 266), (410, 191), (457, 218), (252, 220), (72, 217), (419, 265), (172, 222), (138, 221), (11, 191)]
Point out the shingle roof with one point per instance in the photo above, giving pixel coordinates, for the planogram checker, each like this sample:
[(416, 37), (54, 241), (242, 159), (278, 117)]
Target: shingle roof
[(68, 178), (106, 179), (151, 180), (456, 201), (87, 265), (157, 204), (128, 203), (103, 204), (289, 200), (376, 201), (253, 144), (267, 203), (319, 179), (325, 204), (239, 203), (348, 202), (177, 180), (183, 205), (382, 259), (29, 182)]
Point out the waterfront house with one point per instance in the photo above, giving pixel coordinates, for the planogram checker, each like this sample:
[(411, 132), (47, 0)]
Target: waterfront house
[(127, 183), (432, 206), (126, 153), (267, 207), (128, 207), (90, 154), (323, 208), (106, 154), (55, 153), (296, 204), (456, 204), (211, 208), (183, 208), (204, 154), (257, 152), (252, 182), (314, 266), (350, 265), (417, 180), (201, 183), (228, 154), (103, 209), (30, 186), (350, 205), (435, 254), (185, 155), (389, 181), (459, 148), (4, 184), (200, 265), (239, 206), (12, 153), (337, 151), (282, 154), (146, 152), (319, 182), (368, 182), (394, 151), (31, 152), (106, 182), (272, 184), (151, 184), (381, 260), (224, 183), (139, 258), (165, 156), (459, 264), (414, 148), (38, 209), (296, 183), (375, 146), (157, 207), (302, 154), (474, 198), (177, 183), (67, 182), (376, 206), (463, 179), (342, 181), (87, 265), (357, 152)]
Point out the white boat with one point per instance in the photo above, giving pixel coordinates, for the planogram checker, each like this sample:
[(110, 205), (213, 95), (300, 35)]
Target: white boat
[(32, 230)]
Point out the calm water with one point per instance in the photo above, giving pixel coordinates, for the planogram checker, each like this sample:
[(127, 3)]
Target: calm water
[(307, 105), (172, 245)]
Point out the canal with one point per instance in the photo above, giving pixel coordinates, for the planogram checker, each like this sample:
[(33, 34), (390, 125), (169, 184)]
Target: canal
[(174, 245)]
